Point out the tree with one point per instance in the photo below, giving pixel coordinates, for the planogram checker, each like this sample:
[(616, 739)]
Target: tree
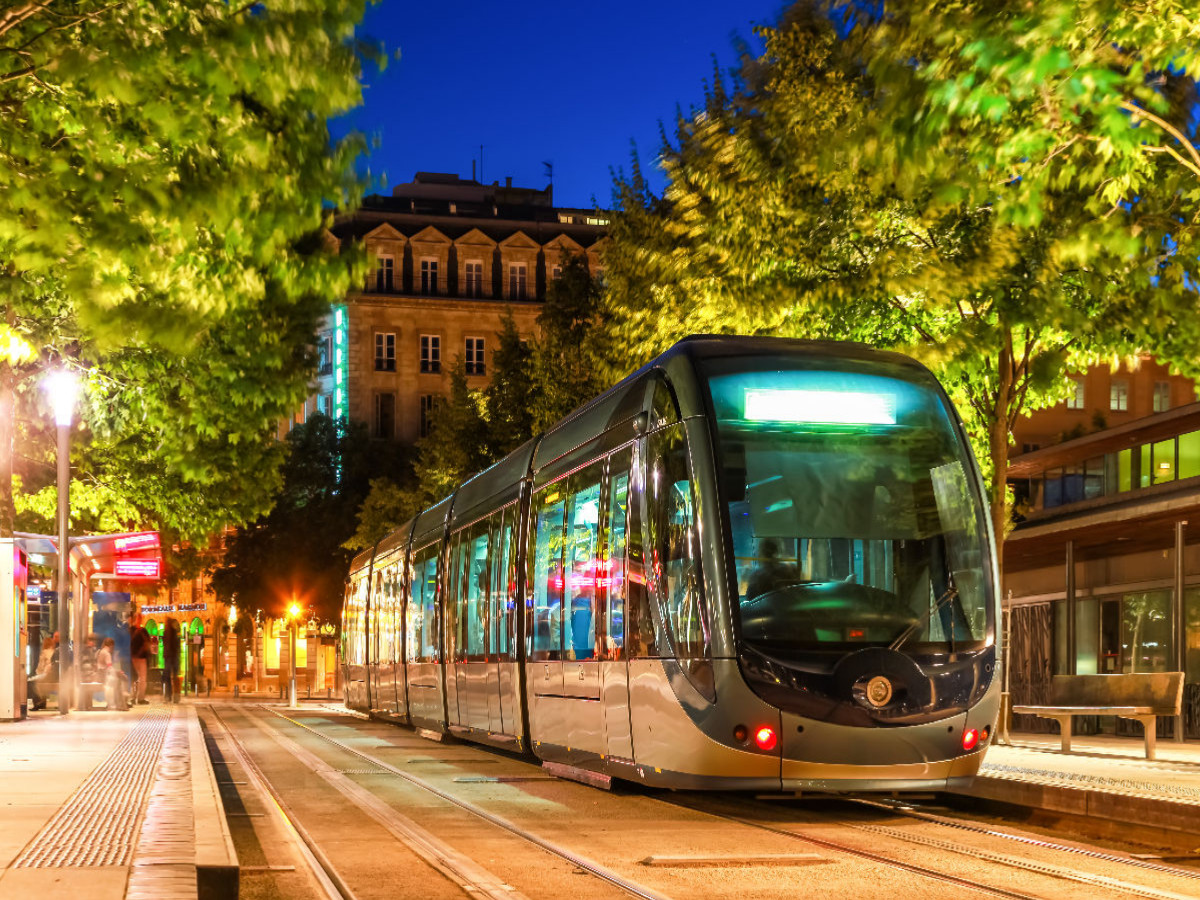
[(296, 549), (162, 183), (787, 212)]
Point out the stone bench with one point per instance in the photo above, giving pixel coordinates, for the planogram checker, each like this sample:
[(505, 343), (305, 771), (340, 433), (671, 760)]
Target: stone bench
[(1141, 695)]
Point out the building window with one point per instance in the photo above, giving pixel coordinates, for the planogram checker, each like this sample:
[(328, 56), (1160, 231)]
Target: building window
[(1028, 447), (428, 409), (385, 351), (1118, 395), (429, 284), (324, 404), (1162, 396), (1076, 400), (431, 353), (516, 281), (555, 273), (385, 273), (325, 354), (475, 365), (474, 279), (385, 416)]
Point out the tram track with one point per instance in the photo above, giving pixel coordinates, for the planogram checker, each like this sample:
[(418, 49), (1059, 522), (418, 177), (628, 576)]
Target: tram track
[(1089, 852), (752, 819), (1053, 871), (325, 876), (456, 863), (963, 883)]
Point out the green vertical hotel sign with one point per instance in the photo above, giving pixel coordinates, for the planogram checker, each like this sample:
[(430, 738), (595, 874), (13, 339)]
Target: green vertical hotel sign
[(341, 341)]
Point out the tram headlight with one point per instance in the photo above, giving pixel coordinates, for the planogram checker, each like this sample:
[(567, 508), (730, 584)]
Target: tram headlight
[(765, 738), (970, 739)]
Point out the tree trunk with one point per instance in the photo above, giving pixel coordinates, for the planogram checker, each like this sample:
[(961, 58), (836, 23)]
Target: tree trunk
[(8, 377), (998, 450)]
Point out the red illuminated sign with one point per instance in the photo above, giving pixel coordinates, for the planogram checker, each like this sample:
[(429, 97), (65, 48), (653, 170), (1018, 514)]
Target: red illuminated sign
[(137, 568), (144, 540)]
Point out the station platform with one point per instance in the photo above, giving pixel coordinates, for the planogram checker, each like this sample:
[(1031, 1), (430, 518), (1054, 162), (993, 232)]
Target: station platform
[(1104, 779), (110, 805)]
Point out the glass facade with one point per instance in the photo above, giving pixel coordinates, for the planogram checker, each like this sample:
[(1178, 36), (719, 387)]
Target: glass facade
[(1159, 462)]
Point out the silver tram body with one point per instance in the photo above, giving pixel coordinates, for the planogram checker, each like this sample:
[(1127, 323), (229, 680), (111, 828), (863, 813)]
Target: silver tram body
[(754, 564)]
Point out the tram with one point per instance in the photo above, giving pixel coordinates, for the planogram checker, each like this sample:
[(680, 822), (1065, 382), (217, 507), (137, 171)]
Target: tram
[(754, 564)]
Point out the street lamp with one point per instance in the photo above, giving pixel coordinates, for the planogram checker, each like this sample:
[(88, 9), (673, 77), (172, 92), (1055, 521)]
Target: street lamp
[(62, 388), (293, 618)]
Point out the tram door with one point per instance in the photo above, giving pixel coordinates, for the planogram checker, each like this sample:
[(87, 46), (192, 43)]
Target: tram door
[(376, 662), (470, 589), (422, 645), (503, 700), (614, 666)]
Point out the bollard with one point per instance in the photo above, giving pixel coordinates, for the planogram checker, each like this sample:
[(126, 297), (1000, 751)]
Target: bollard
[(235, 691)]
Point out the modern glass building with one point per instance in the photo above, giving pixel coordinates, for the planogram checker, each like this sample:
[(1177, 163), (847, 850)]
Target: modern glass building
[(1102, 571)]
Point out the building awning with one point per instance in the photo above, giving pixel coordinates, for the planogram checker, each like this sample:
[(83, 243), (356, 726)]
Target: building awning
[(132, 555)]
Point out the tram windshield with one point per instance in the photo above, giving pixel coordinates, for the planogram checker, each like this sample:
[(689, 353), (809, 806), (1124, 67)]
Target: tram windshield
[(854, 518)]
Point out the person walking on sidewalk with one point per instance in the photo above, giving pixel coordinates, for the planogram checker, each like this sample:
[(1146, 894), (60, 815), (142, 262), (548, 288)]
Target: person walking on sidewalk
[(171, 649), (111, 675), (139, 652)]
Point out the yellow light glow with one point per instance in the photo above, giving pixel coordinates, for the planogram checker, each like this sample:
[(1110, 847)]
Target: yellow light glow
[(232, 614), (294, 610)]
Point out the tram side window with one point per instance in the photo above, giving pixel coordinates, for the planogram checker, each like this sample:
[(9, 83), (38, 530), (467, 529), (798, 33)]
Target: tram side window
[(546, 572), (671, 534), (583, 545), (475, 592), (356, 635), (393, 582), (422, 611), (503, 584), (616, 516), (662, 405), (641, 634), (377, 615)]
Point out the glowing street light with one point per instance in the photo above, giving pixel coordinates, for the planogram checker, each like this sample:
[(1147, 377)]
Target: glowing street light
[(62, 389)]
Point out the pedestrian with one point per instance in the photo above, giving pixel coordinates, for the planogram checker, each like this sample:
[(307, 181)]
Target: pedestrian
[(139, 653), (45, 672), (111, 675), (171, 652)]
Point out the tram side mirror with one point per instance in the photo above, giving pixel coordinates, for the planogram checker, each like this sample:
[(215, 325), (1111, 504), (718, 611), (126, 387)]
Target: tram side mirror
[(640, 422), (733, 473)]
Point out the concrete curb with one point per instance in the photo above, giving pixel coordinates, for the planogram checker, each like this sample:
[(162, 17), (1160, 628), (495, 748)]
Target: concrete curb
[(217, 871), (1157, 812)]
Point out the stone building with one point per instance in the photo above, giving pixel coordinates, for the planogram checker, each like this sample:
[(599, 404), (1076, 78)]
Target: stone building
[(448, 259)]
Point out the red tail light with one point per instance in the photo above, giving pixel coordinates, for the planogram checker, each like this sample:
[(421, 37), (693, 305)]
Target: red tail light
[(970, 739), (765, 738)]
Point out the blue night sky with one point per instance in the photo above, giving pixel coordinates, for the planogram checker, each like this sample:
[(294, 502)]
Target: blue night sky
[(573, 83)]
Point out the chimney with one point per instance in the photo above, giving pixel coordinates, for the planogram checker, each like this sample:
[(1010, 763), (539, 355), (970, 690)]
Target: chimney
[(508, 181)]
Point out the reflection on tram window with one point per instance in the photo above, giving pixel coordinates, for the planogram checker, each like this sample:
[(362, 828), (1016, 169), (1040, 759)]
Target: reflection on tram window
[(671, 535), (422, 609), (614, 572), (546, 572), (475, 576), (851, 517), (583, 565)]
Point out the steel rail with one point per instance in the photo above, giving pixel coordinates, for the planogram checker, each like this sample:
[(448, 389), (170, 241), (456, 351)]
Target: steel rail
[(826, 844), (323, 871), (473, 879), (963, 825), (590, 866)]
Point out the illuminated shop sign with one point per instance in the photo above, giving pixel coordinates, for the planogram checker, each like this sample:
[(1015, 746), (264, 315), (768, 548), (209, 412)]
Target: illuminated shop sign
[(341, 369), (149, 610), (144, 540), (191, 607), (137, 568), (175, 607)]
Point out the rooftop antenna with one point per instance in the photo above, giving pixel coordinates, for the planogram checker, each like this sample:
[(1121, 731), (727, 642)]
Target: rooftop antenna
[(548, 165), (481, 163)]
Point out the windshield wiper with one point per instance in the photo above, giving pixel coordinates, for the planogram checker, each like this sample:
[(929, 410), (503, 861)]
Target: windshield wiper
[(951, 593)]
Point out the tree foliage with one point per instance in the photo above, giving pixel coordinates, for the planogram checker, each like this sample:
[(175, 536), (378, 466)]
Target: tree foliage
[(296, 549), (163, 178), (794, 206)]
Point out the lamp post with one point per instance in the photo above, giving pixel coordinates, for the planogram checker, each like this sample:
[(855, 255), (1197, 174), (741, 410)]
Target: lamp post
[(293, 618), (61, 387)]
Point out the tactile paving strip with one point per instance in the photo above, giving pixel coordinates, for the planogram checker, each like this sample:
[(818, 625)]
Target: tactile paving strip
[(1078, 779), (98, 824)]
